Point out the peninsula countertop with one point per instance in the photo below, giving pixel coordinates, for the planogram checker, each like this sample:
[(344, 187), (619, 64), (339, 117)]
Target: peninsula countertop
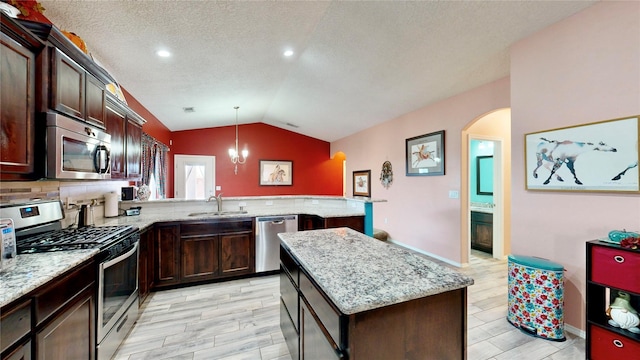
[(360, 273)]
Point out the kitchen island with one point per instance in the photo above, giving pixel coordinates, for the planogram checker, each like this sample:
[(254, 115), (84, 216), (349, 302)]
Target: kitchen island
[(347, 295)]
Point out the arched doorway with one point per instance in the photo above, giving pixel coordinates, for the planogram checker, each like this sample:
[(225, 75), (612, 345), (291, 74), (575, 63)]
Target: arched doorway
[(493, 131)]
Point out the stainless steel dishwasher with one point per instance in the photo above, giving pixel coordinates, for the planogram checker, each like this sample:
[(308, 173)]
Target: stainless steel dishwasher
[(268, 242)]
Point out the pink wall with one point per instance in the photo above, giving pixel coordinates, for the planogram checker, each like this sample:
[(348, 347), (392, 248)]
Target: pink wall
[(581, 70), (418, 210)]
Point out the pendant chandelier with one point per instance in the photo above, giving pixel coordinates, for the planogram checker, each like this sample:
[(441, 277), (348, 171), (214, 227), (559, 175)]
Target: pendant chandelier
[(233, 153)]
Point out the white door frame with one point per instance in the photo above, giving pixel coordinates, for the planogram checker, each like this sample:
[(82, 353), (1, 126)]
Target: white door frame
[(498, 194), (209, 162)]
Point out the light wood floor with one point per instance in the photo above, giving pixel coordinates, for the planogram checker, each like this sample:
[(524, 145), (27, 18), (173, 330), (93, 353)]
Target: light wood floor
[(240, 320)]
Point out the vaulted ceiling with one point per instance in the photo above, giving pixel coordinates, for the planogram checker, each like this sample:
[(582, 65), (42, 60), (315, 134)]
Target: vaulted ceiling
[(354, 64)]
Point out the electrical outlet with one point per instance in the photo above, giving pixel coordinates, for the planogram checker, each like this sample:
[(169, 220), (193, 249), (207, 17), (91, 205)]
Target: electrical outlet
[(386, 220), (269, 202), (242, 203), (218, 188), (315, 202)]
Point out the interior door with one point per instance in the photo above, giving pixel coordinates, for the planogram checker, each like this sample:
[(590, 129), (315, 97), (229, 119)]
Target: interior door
[(194, 176)]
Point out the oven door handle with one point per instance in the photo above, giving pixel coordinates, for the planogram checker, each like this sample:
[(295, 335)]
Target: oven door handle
[(107, 264)]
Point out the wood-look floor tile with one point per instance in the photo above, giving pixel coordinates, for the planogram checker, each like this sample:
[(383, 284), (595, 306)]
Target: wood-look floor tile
[(240, 320)]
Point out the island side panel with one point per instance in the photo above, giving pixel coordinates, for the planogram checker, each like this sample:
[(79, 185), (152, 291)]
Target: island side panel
[(433, 327)]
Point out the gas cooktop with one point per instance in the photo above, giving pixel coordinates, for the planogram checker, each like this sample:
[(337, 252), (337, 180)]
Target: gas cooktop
[(73, 239)]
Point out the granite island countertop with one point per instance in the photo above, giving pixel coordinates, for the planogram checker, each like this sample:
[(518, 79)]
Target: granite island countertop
[(360, 273), (34, 270)]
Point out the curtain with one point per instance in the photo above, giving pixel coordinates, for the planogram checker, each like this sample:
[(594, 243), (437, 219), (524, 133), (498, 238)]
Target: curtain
[(154, 163)]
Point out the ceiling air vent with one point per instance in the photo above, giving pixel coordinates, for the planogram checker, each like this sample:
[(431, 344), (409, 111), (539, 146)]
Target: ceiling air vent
[(189, 109)]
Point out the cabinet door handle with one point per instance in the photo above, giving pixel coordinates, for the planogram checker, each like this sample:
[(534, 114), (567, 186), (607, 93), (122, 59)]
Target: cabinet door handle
[(619, 259), (618, 343)]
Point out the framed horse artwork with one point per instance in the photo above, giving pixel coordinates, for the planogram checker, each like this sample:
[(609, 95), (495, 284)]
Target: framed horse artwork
[(425, 154), (276, 172), (599, 157)]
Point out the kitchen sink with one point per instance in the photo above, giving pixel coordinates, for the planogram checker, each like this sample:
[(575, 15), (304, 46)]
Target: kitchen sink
[(219, 213)]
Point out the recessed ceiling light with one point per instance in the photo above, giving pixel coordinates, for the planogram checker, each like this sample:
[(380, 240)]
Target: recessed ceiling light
[(163, 53), (288, 53)]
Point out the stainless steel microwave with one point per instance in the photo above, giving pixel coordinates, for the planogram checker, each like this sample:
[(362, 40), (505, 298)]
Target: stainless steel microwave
[(76, 150)]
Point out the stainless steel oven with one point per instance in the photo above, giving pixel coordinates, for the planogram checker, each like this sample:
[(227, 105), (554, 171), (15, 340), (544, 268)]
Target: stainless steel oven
[(117, 295), (38, 228), (76, 150)]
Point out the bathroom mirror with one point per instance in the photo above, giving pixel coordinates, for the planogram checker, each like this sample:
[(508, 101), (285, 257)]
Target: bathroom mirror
[(484, 175)]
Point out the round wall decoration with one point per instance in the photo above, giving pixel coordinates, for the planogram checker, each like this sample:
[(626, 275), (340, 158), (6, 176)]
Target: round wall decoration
[(386, 176)]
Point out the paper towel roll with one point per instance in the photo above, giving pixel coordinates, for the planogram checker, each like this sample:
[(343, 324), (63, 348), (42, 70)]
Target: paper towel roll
[(111, 204)]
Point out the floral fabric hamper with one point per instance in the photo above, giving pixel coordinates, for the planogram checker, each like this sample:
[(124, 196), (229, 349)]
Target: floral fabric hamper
[(536, 297)]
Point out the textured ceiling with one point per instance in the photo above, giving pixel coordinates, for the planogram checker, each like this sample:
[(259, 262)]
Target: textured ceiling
[(356, 64)]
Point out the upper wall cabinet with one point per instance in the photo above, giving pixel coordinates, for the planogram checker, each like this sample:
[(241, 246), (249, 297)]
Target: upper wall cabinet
[(75, 92), (43, 71), (125, 128), (71, 82), (18, 54)]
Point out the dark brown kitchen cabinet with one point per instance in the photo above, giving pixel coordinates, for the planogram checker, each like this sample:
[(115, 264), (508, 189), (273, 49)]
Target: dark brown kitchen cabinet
[(145, 264), (314, 222), (15, 324), (75, 92), (71, 334), (482, 231), (23, 352), (133, 150), (237, 254), (203, 250), (200, 259), (313, 342), (125, 128), (95, 101), (115, 126), (18, 56), (217, 248), (54, 321), (405, 330), (354, 222), (67, 85), (167, 255)]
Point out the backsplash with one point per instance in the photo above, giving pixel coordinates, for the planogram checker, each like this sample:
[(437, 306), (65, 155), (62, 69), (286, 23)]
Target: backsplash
[(74, 192)]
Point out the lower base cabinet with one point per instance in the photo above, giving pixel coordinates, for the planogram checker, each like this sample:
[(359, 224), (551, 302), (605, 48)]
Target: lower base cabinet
[(146, 264), (432, 327), (313, 343), (23, 352), (54, 322), (70, 335), (195, 251), (482, 231)]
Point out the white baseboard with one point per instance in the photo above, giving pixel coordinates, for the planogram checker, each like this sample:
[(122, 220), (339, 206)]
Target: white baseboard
[(575, 331), (448, 261)]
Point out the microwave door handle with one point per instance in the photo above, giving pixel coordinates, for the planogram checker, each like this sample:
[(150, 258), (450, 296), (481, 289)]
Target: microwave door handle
[(101, 159)]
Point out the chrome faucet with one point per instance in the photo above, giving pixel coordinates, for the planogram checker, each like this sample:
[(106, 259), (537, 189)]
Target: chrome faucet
[(218, 200)]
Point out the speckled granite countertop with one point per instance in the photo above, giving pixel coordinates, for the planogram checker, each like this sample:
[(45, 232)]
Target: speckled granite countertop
[(149, 217), (360, 273), (34, 270)]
